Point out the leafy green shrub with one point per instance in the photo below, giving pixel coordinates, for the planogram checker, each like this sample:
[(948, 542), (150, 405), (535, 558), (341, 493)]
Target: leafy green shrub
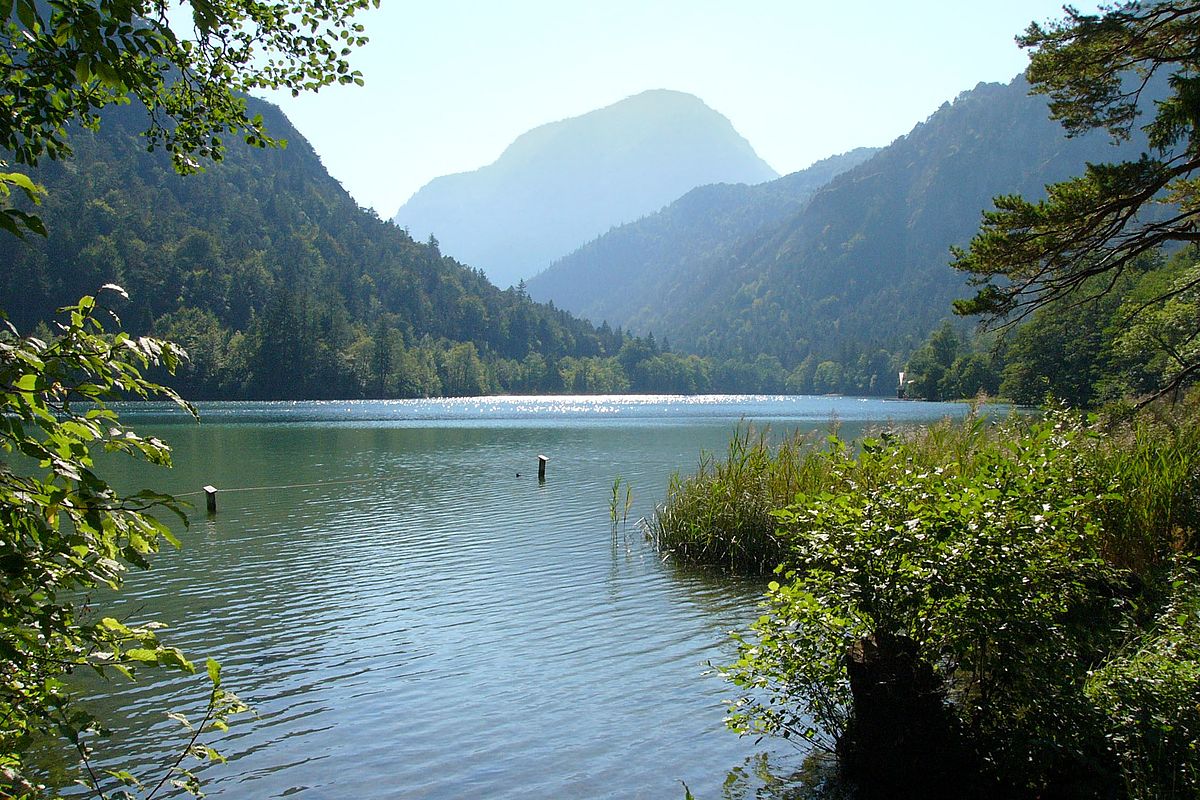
[(994, 572), (1028, 566), (64, 531)]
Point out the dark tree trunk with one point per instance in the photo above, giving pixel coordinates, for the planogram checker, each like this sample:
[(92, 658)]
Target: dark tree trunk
[(902, 741)]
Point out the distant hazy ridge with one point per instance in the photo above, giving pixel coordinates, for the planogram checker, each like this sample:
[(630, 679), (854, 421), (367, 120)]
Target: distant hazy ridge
[(641, 259), (564, 183)]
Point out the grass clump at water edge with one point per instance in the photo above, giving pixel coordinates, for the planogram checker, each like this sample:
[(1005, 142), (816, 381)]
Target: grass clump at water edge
[(723, 515)]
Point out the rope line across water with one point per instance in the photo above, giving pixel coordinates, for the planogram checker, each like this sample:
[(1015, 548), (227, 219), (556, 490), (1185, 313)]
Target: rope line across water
[(288, 486)]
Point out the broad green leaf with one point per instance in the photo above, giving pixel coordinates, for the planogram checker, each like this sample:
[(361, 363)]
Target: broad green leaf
[(214, 672)]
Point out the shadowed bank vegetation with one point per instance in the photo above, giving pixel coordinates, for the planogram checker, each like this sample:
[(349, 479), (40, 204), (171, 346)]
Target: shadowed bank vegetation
[(1005, 609)]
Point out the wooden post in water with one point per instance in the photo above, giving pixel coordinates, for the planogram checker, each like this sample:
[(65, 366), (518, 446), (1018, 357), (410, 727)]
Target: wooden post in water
[(210, 495), (542, 469)]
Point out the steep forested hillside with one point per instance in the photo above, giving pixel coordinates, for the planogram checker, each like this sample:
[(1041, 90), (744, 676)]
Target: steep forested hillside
[(280, 286), (564, 183), (841, 290), (275, 280), (645, 257)]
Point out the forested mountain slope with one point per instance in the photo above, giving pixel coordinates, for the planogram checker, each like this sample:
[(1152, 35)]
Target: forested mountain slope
[(274, 278), (564, 183), (860, 274), (645, 257)]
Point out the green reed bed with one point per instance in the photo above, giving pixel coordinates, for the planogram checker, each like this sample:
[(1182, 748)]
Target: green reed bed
[(1151, 467), (1148, 469), (723, 514)]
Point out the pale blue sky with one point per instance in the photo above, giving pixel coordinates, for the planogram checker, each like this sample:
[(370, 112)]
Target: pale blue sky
[(450, 83)]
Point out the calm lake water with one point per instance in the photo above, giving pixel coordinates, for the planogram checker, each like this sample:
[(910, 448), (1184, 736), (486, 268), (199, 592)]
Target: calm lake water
[(415, 616)]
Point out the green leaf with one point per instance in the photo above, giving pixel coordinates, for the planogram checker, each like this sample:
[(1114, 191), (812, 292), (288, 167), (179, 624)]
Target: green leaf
[(27, 14), (214, 672), (32, 190), (172, 657)]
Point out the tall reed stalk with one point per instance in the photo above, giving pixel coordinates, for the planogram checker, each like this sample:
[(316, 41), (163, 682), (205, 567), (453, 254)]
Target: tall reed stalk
[(1151, 465)]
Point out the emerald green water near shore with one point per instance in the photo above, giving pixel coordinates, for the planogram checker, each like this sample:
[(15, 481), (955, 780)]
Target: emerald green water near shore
[(412, 618)]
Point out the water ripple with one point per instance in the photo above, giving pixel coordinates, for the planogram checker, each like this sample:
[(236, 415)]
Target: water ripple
[(425, 623)]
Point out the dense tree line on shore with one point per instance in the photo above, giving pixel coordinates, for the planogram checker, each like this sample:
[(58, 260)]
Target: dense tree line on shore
[(271, 276), (1111, 342), (279, 286)]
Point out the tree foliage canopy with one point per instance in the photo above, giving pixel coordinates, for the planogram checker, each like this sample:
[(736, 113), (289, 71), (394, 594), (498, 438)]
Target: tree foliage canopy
[(189, 65), (66, 59), (64, 530), (1101, 71)]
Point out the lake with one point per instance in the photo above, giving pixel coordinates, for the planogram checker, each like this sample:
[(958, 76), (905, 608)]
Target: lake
[(413, 615)]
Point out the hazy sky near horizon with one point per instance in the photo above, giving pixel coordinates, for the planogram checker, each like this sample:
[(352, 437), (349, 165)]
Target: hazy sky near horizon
[(451, 83)]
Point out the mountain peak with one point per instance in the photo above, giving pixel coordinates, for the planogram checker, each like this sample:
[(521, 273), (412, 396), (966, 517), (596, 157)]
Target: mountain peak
[(660, 101), (563, 183)]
